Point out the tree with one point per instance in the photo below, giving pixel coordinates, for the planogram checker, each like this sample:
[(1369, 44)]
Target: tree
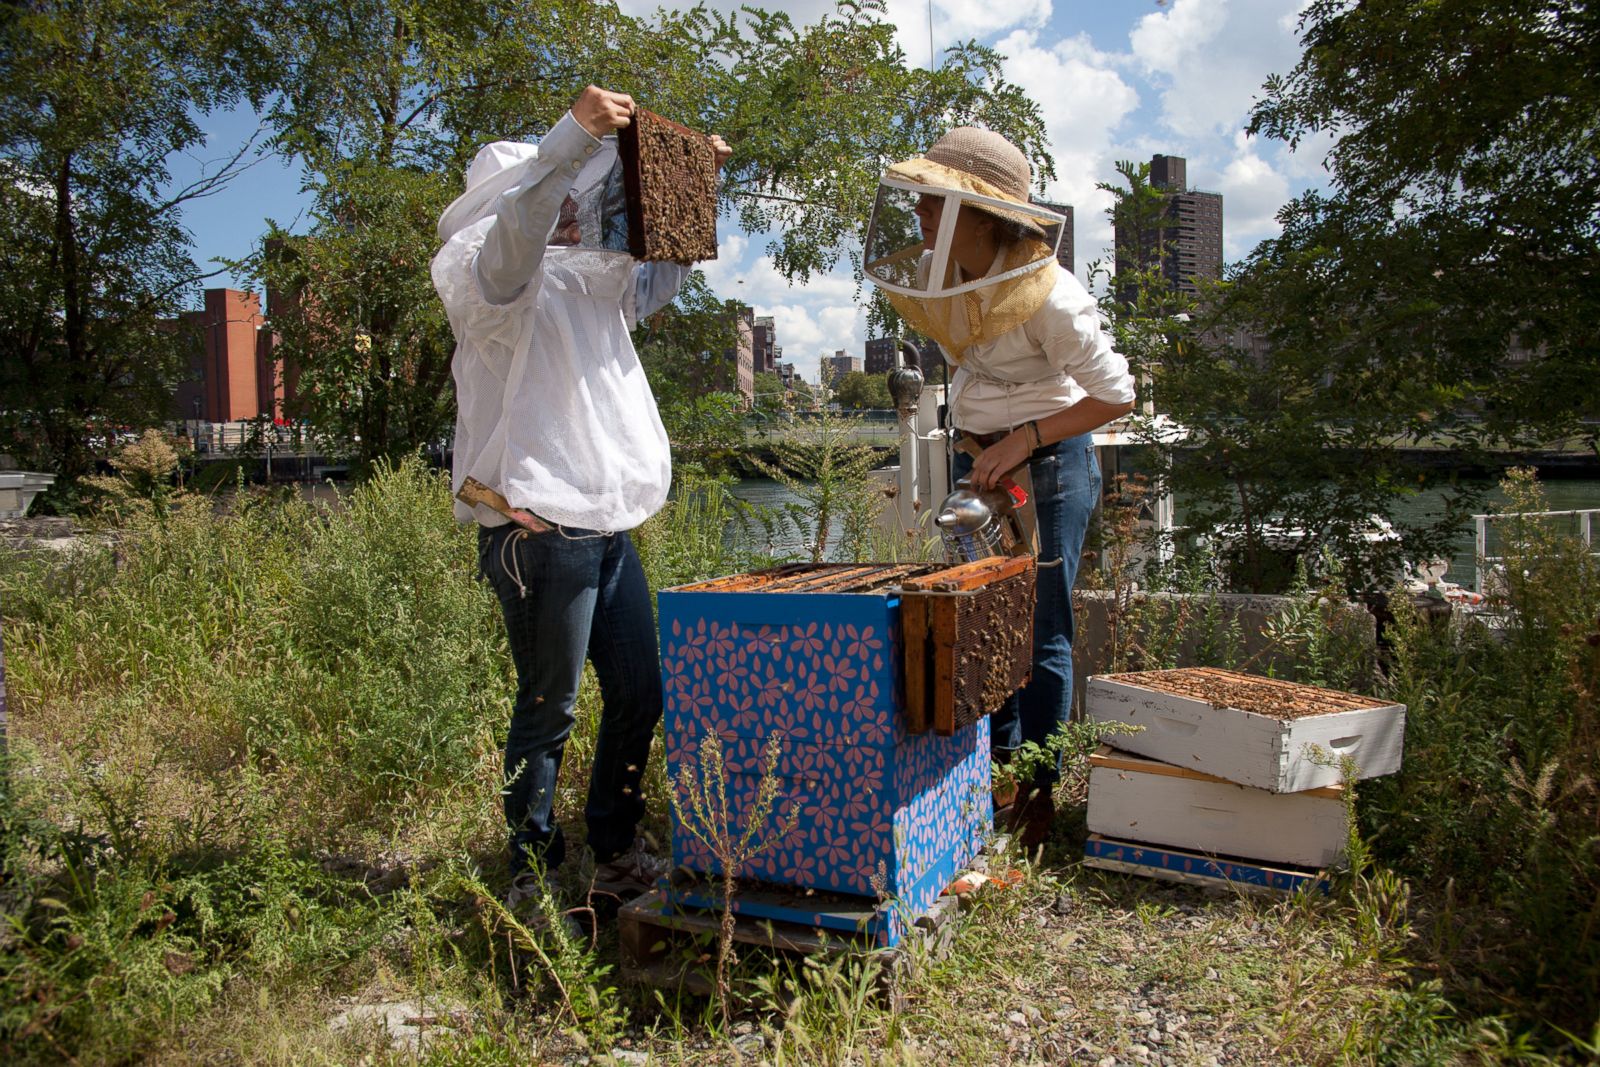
[(857, 390), (95, 99), (355, 313), (1439, 296), (1457, 247), (771, 397), (375, 114), (676, 344)]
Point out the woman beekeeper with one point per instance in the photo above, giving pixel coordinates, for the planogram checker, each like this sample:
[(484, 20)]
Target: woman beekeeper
[(968, 261), (556, 415)]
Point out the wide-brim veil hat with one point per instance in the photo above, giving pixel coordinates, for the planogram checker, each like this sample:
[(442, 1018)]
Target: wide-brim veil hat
[(979, 169)]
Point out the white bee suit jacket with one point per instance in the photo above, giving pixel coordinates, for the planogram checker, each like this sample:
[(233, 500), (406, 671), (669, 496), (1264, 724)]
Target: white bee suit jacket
[(553, 408)]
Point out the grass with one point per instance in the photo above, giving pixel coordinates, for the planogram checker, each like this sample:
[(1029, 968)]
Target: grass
[(251, 785)]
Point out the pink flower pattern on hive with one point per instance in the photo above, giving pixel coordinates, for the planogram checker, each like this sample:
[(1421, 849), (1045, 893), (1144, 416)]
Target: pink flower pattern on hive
[(750, 665)]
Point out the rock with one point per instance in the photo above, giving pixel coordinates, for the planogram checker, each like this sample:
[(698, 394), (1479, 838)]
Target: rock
[(633, 1057), (1106, 1061), (407, 1024), (1155, 1036), (1144, 1018)]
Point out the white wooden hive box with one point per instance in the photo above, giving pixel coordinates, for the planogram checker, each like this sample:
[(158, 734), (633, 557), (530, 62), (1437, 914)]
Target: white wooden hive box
[(1132, 798), (1261, 732)]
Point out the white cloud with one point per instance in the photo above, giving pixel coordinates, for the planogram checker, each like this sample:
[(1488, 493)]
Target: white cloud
[(811, 320), (1212, 56), (1252, 191), (955, 21), (1083, 100)]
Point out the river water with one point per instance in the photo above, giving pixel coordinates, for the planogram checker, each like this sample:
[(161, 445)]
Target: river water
[(1562, 494)]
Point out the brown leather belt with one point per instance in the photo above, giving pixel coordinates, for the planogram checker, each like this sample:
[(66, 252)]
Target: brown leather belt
[(983, 440)]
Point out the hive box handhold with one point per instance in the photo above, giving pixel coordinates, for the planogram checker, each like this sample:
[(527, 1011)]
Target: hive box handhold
[(669, 173), (1255, 731)]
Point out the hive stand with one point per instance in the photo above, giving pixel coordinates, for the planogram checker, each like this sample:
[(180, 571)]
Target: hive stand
[(1194, 868), (668, 943)]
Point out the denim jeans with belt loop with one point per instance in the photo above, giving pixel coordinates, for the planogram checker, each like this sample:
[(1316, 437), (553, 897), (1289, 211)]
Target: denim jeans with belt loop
[(1066, 490), (568, 595)]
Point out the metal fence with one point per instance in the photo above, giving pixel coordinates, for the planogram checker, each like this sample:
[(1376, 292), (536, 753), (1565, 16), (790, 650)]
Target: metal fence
[(1486, 563)]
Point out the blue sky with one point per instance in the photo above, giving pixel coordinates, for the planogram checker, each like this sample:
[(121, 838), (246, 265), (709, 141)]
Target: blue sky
[(1116, 79)]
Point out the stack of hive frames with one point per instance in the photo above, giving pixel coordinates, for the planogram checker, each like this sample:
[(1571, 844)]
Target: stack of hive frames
[(670, 175), (968, 640)]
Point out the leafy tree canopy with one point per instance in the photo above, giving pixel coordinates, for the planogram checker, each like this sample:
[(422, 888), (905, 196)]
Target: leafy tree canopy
[(1439, 297), (408, 104), (1458, 245), (95, 98), (858, 390)]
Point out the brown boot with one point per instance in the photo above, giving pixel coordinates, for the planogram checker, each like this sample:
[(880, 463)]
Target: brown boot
[(1032, 816)]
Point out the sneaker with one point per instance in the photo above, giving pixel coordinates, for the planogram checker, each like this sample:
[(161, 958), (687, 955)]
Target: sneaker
[(522, 900), (639, 866)]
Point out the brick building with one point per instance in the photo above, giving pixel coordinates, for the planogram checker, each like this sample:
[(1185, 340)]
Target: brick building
[(233, 372), (764, 345), (1188, 246)]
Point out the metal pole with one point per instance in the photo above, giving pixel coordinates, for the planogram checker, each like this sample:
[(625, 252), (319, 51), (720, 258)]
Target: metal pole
[(1480, 549)]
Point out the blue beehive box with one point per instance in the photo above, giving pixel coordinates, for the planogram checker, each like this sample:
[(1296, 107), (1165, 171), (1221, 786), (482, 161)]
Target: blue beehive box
[(880, 812)]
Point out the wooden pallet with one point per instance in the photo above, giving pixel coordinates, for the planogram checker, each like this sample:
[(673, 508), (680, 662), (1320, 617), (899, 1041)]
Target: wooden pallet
[(672, 946)]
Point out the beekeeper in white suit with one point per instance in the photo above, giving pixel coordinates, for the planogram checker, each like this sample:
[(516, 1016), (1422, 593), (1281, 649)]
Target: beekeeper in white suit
[(555, 413)]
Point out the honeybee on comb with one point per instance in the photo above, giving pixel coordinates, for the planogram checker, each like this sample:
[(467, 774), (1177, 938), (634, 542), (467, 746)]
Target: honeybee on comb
[(670, 175)]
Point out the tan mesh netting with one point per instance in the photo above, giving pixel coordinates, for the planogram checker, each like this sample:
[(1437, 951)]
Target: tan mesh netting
[(959, 322)]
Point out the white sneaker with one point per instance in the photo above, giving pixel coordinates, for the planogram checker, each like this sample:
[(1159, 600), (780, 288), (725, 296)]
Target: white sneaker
[(523, 897)]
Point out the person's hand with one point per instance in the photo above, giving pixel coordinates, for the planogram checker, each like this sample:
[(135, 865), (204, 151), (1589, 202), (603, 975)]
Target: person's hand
[(999, 459), (721, 148), (601, 111)]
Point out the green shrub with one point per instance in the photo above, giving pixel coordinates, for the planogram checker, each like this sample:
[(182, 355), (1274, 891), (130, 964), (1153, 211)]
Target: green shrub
[(1497, 798)]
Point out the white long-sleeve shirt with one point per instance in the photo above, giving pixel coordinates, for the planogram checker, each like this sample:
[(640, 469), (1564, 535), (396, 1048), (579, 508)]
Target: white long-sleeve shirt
[(1054, 359), (553, 408)]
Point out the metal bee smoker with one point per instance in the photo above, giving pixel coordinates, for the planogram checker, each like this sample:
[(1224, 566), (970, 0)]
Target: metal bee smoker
[(976, 524)]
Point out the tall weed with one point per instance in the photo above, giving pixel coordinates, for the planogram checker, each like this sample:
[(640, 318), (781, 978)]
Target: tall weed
[(1497, 799)]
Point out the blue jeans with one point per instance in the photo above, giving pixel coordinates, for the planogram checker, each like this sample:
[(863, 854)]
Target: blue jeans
[(1066, 488), (568, 595)]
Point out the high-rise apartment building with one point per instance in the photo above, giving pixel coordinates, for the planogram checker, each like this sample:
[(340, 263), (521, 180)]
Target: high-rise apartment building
[(1187, 242), (880, 355), (1064, 254), (840, 364)]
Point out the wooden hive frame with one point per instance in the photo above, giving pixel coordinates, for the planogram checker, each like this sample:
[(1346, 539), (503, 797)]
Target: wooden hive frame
[(669, 173), (944, 618)]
